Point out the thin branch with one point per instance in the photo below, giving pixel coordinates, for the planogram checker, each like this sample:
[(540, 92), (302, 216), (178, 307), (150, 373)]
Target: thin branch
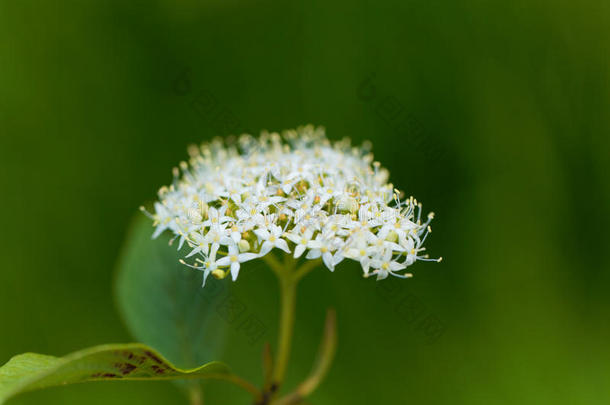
[(324, 360), (196, 394), (267, 366), (306, 268), (275, 264)]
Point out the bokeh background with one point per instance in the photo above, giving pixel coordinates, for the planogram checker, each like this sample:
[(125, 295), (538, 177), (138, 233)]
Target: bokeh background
[(494, 114)]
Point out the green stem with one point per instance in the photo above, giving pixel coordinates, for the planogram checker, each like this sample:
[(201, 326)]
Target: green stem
[(196, 395), (306, 268), (288, 283), (288, 276)]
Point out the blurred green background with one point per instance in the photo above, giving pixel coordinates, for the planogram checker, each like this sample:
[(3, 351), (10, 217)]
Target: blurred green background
[(494, 114)]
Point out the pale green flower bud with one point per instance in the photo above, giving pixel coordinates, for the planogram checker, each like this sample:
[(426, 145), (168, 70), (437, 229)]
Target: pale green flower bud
[(392, 237), (244, 246), (219, 274), (347, 204)]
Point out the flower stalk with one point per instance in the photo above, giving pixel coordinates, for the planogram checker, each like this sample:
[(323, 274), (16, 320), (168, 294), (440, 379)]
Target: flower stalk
[(288, 275), (288, 283)]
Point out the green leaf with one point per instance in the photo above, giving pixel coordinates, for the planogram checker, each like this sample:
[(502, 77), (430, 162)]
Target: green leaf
[(163, 302), (133, 361)]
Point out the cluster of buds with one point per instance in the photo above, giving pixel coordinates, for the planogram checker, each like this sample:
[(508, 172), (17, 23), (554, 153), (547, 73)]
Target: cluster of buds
[(297, 192)]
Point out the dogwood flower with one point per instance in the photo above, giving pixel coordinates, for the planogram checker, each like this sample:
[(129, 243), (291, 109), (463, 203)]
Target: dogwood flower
[(200, 244), (234, 260), (384, 265), (272, 238), (295, 193), (324, 246), (301, 240), (216, 217)]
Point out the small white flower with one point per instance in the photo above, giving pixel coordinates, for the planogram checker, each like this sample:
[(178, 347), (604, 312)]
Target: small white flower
[(234, 260), (210, 265), (163, 219), (249, 215), (384, 265), (233, 193), (359, 249), (194, 215), (323, 245), (199, 243), (217, 235), (262, 199), (381, 242), (216, 217), (328, 192), (411, 252), (272, 239), (301, 240)]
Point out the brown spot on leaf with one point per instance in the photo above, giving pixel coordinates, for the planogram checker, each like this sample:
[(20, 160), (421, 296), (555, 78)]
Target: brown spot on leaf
[(109, 375), (125, 368), (154, 357), (157, 369)]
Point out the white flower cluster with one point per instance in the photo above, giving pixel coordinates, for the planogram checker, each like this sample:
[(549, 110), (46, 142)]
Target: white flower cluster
[(296, 192)]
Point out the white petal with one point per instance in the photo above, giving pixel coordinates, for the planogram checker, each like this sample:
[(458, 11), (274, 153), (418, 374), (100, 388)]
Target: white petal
[(396, 247), (234, 270), (215, 247), (366, 262), (262, 233), (396, 266), (293, 238), (314, 244), (266, 248), (181, 242), (206, 273), (244, 257), (338, 258), (298, 251), (313, 254), (281, 243), (327, 258), (193, 252), (159, 231), (381, 275)]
